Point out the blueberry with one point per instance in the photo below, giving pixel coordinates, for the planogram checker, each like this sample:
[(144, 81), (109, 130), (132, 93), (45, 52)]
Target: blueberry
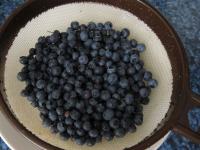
[(64, 135), (111, 69), (93, 133), (108, 135), (75, 55), (102, 52), (68, 87), (124, 83), (41, 84), (52, 115), (125, 123), (94, 53), (74, 25), (111, 88), (95, 93), (115, 57), (90, 142), (129, 99), (132, 128), (52, 62), (87, 126), (60, 110), (96, 45), (108, 53), (112, 78), (138, 119), (46, 122), (108, 114), (89, 109), (68, 121), (71, 37), (114, 123), (70, 130), (125, 33), (105, 95), (126, 58), (40, 95), (108, 25), (91, 25), (56, 71), (134, 58), (109, 63), (93, 102), (54, 37), (133, 43), (60, 127), (138, 67), (144, 92), (130, 109), (80, 132), (120, 132), (131, 70), (100, 108), (84, 36), (23, 60), (141, 47), (100, 26), (88, 43), (121, 71), (116, 45), (116, 96), (152, 83), (78, 124), (21, 76), (112, 103), (56, 94), (80, 140), (83, 59)]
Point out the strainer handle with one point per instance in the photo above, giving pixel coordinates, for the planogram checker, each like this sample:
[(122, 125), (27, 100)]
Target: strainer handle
[(182, 125)]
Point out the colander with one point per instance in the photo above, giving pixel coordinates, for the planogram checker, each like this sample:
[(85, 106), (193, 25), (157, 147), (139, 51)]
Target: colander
[(165, 58)]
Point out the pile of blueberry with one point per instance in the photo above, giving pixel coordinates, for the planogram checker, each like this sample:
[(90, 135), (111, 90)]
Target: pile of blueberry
[(88, 83)]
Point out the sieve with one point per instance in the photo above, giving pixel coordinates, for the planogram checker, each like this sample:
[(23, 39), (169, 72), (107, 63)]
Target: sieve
[(165, 58)]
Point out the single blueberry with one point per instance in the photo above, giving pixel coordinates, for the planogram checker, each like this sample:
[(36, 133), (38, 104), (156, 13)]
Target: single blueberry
[(96, 45), (114, 123), (129, 99), (40, 84), (84, 36), (56, 94), (152, 83), (138, 119), (120, 132), (83, 59), (87, 126), (93, 133), (141, 47), (52, 115), (105, 95), (108, 53), (22, 76), (108, 114), (125, 33), (112, 78), (124, 83), (144, 92), (75, 25)]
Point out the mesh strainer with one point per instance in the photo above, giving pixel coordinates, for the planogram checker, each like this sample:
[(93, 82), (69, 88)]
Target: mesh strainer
[(164, 56)]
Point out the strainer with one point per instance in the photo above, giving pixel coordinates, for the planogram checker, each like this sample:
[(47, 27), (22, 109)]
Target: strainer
[(164, 57)]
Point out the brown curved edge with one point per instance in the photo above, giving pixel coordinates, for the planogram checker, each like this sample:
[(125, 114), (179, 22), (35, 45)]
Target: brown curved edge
[(139, 8), (182, 126)]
